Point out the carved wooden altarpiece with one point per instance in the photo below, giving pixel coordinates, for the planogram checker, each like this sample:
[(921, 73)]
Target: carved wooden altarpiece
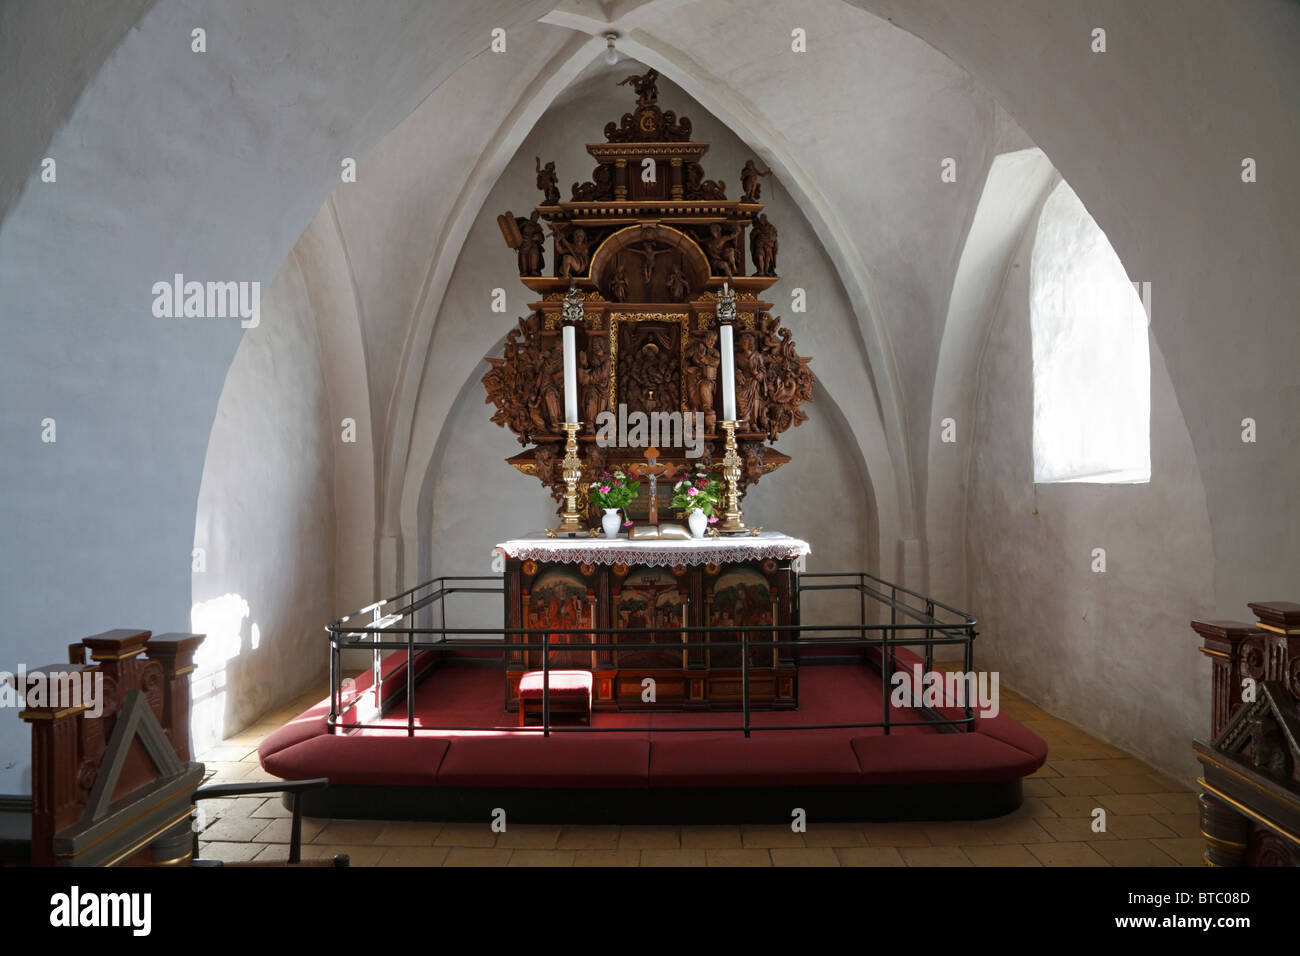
[(649, 256)]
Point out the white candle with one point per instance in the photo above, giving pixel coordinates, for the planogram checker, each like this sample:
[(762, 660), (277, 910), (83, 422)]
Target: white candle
[(728, 373), (570, 375)]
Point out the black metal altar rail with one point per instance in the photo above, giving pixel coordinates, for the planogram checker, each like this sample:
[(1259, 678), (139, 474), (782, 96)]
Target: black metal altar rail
[(927, 631)]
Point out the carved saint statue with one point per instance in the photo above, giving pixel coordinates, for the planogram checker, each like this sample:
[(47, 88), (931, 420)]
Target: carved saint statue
[(749, 183), (763, 246), (572, 252), (593, 379), (678, 285), (618, 285), (721, 248), (750, 384), (550, 388), (547, 181), (532, 259), (702, 361)]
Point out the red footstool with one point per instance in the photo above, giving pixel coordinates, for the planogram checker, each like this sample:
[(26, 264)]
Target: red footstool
[(570, 693)]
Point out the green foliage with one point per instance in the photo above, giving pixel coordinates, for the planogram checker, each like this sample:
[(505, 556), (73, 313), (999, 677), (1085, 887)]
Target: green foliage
[(699, 490), (613, 490)]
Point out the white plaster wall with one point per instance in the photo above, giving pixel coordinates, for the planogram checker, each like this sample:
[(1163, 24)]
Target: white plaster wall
[(265, 521), (1111, 652), (1016, 186), (169, 161), (1151, 135)]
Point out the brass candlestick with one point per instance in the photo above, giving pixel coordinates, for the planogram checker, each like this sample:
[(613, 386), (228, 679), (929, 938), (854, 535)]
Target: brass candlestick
[(732, 520), (571, 472)]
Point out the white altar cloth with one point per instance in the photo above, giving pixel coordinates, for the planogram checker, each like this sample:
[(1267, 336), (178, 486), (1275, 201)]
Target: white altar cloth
[(653, 551)]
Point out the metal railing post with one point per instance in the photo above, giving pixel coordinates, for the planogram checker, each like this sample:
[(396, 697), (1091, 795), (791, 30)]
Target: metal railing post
[(929, 637), (886, 672), (744, 676), (410, 685), (334, 677), (546, 685)]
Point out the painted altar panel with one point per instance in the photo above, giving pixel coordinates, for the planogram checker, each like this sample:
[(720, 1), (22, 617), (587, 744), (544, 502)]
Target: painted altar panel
[(561, 598), (742, 597), (652, 597)]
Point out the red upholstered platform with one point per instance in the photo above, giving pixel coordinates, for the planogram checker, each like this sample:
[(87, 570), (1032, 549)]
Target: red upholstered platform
[(383, 772)]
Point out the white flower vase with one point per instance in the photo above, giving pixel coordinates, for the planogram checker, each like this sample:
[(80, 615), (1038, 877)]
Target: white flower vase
[(611, 521), (698, 522)]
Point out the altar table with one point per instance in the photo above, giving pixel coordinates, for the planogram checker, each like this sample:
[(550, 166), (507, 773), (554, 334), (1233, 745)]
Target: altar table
[(745, 582)]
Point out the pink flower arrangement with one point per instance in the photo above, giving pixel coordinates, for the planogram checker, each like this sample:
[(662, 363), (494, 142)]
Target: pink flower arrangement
[(699, 490)]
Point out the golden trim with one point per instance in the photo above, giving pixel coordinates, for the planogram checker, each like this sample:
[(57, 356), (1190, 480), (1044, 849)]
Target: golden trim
[(186, 670), (1206, 650), (1236, 773), (1247, 811), (145, 841), (119, 657), (30, 715), (615, 318), (189, 809), (1224, 844), (1278, 630), (182, 860)]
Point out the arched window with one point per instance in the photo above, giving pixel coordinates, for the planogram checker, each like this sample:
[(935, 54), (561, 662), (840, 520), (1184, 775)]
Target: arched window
[(1092, 366)]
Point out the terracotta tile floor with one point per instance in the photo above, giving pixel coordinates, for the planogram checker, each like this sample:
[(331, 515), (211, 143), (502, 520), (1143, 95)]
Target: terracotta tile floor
[(1151, 820)]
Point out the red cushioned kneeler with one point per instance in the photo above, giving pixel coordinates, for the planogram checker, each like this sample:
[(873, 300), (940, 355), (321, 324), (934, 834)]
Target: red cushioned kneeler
[(763, 760), (376, 760), (940, 758), (570, 693), (574, 759)]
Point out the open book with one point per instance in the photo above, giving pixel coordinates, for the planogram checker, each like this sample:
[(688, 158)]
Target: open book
[(650, 531)]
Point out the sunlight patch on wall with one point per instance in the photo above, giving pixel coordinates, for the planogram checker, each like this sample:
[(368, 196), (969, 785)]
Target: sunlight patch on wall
[(222, 620)]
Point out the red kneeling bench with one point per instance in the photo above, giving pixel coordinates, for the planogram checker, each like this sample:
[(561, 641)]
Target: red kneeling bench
[(570, 693)]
